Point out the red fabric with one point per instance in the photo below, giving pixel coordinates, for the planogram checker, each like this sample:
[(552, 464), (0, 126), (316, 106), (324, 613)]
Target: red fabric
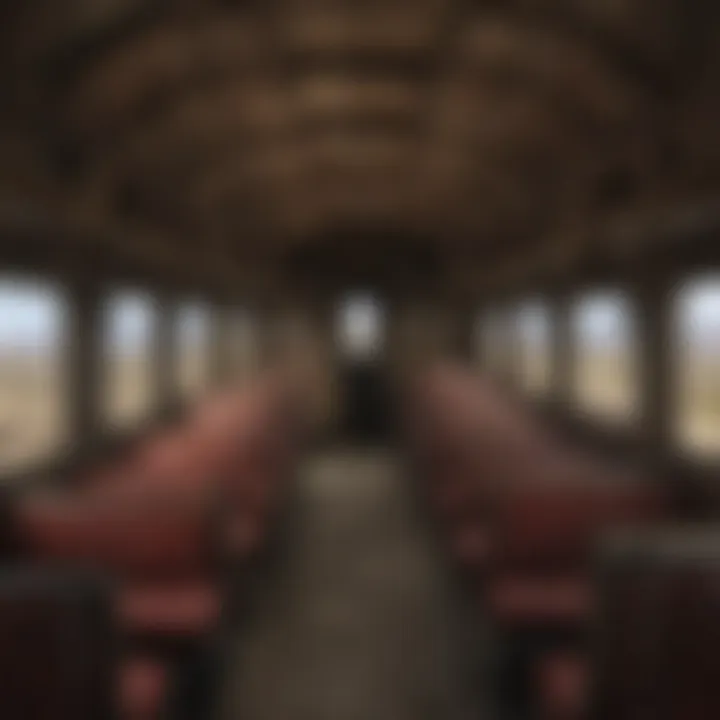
[(543, 527), (132, 531), (243, 535), (143, 684), (174, 609), (531, 601), (563, 680), (470, 545), (252, 495), (462, 496), (660, 630)]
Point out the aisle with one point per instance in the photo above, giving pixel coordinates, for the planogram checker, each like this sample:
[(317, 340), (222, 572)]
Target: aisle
[(358, 621)]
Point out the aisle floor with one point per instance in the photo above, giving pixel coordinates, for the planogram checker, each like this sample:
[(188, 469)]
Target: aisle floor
[(358, 620)]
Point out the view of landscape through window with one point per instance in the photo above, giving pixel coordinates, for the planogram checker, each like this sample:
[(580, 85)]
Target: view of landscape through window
[(33, 361), (35, 325), (697, 390), (34, 340), (606, 379), (605, 345), (193, 334), (130, 324)]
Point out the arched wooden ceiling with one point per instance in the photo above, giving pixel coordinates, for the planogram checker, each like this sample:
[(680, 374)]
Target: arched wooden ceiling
[(226, 135)]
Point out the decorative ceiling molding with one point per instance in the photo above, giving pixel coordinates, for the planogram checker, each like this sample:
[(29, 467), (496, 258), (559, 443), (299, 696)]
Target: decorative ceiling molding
[(491, 127)]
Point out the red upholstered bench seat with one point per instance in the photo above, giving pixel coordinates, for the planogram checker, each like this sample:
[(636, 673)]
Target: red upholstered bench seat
[(524, 600), (562, 682), (143, 684), (180, 609), (138, 533), (154, 529), (470, 545), (546, 527), (58, 652)]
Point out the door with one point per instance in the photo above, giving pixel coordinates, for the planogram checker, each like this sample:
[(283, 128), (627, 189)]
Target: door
[(360, 333)]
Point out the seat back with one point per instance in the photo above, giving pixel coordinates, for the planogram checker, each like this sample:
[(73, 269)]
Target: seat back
[(132, 531), (57, 647), (659, 626), (554, 527)]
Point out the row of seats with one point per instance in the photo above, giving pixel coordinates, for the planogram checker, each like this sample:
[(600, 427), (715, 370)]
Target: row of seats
[(170, 522), (522, 514)]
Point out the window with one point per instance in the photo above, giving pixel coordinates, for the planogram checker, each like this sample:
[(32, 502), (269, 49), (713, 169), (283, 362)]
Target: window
[(33, 387), (697, 316), (361, 327), (194, 351), (605, 379), (534, 337), (128, 392)]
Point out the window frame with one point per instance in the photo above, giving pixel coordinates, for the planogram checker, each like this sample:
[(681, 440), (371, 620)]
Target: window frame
[(545, 389), (494, 332)]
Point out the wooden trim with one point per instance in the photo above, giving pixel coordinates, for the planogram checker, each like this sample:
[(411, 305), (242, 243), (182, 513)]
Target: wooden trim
[(562, 363), (653, 296), (84, 338), (165, 353)]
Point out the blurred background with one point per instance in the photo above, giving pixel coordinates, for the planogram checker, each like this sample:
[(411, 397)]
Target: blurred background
[(196, 194), (282, 156)]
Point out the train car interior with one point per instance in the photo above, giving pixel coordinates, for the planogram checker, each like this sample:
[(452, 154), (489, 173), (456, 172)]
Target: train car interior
[(359, 360)]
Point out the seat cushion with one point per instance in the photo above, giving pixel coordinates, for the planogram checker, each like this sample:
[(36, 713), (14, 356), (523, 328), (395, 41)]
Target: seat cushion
[(57, 645), (242, 535), (562, 686), (548, 527), (143, 687), (129, 530), (470, 545), (176, 610), (518, 600)]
